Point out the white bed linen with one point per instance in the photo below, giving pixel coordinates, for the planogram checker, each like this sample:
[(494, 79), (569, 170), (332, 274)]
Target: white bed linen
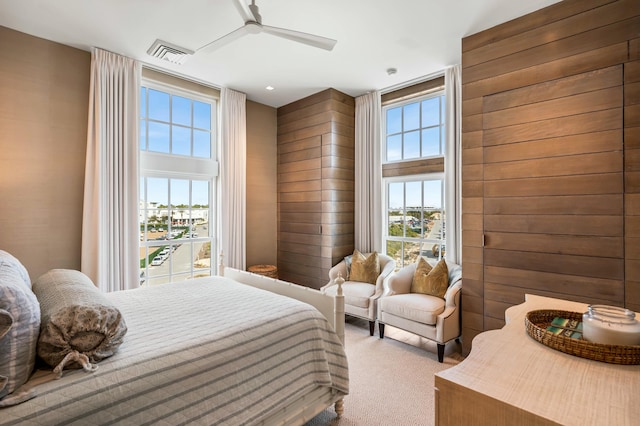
[(204, 351)]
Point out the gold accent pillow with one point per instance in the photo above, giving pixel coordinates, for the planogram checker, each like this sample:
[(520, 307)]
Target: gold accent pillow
[(364, 269), (429, 280)]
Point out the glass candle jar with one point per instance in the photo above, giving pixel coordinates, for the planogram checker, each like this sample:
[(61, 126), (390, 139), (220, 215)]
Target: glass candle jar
[(610, 325)]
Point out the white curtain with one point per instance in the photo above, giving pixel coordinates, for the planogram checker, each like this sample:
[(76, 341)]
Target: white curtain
[(453, 165), (110, 230), (233, 158), (368, 178)]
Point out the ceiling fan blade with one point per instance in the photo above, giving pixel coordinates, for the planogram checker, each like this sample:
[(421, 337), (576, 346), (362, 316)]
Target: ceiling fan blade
[(226, 39), (300, 37), (244, 11)]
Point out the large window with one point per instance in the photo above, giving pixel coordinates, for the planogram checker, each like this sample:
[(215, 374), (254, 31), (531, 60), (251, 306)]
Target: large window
[(413, 177), (177, 181)]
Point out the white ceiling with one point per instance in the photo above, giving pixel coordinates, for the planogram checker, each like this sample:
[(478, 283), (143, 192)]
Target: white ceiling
[(418, 37)]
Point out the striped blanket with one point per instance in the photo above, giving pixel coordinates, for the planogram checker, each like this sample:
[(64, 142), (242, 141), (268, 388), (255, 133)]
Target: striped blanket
[(204, 351)]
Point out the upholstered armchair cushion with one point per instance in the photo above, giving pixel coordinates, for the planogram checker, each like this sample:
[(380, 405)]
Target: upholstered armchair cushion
[(416, 307), (359, 294)]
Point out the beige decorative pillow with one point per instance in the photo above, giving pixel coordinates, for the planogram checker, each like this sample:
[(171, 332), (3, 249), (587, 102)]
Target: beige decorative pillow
[(79, 324), (429, 280), (364, 269)]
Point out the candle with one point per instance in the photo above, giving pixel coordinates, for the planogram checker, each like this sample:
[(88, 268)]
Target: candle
[(610, 325)]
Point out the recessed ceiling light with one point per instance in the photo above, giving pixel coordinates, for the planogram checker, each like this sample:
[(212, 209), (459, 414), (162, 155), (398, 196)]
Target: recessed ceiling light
[(270, 88)]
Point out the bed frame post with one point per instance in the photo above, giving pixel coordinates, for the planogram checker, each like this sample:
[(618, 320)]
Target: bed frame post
[(221, 264), (339, 313), (339, 308)]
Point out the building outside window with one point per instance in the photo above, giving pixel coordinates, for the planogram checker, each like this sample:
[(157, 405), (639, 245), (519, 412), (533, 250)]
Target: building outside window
[(178, 170), (413, 178)]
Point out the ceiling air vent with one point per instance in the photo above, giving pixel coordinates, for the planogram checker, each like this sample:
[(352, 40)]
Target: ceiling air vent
[(169, 52)]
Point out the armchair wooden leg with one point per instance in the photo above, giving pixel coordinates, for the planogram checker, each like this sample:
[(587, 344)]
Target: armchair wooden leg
[(440, 352), (381, 329), (372, 327)]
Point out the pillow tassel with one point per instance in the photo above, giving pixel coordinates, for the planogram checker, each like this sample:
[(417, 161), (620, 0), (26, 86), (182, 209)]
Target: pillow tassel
[(76, 356)]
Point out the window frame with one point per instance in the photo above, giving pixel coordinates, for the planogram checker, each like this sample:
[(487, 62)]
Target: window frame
[(440, 93), (176, 166), (417, 169)]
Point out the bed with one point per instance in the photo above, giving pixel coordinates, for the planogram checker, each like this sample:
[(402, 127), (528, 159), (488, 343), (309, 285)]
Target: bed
[(214, 350)]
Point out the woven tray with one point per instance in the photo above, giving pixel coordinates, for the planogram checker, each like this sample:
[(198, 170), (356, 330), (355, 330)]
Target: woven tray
[(537, 321)]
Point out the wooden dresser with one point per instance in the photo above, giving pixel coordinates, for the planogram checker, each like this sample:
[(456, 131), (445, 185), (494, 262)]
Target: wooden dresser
[(511, 379)]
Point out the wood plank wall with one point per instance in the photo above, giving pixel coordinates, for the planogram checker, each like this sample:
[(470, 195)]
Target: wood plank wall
[(551, 164), (316, 154), (632, 175)]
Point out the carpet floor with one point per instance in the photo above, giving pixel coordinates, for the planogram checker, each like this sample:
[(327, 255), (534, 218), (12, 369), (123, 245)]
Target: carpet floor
[(390, 380)]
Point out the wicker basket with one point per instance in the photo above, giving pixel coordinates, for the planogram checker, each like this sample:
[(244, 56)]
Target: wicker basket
[(536, 323), (270, 271)]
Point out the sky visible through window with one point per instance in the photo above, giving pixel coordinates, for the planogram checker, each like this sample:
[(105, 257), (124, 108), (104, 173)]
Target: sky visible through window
[(431, 191), (158, 191), (175, 125), (415, 130)]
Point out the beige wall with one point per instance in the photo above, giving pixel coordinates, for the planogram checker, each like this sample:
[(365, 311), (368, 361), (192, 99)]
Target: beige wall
[(44, 93), (262, 164)]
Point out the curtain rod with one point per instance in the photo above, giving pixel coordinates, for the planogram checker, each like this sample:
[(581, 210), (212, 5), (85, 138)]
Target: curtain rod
[(417, 80), (412, 95), (178, 75)]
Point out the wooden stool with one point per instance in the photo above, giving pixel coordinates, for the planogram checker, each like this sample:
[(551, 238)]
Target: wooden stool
[(270, 271)]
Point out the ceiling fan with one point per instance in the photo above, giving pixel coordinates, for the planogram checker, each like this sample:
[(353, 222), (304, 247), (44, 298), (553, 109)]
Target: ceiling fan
[(253, 25)]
